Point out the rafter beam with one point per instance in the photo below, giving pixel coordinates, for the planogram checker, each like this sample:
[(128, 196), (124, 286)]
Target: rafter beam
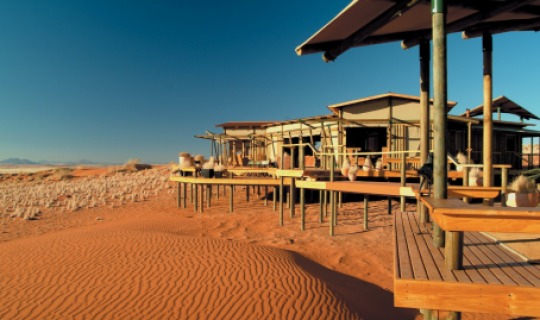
[(500, 27), (470, 20), (357, 37)]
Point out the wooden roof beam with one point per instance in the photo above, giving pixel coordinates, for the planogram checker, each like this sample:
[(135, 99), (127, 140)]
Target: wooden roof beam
[(470, 20), (500, 27), (357, 37)]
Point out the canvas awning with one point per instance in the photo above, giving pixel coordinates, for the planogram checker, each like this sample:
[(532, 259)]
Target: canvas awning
[(366, 22), (504, 105)]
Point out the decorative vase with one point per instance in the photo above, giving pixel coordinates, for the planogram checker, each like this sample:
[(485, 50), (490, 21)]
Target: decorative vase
[(523, 199), (207, 173)]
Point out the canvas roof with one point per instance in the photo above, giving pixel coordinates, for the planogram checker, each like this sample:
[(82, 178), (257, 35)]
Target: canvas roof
[(335, 107), (243, 124), (505, 105), (366, 22)]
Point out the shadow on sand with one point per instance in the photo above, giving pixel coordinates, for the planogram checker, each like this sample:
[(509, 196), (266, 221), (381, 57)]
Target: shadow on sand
[(365, 299)]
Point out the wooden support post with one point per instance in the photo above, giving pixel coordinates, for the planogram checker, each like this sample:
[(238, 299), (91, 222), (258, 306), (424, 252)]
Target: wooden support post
[(281, 190), (247, 193), (340, 199), (178, 194), (389, 205), (504, 184), (231, 198), (366, 202), (292, 196), (453, 250), (201, 198), (217, 191), (265, 196), (403, 181), (321, 205), (440, 109), (184, 198), (325, 203), (487, 47), (274, 196), (332, 212), (335, 208), (303, 209), (195, 189), (191, 193), (466, 171), (208, 195)]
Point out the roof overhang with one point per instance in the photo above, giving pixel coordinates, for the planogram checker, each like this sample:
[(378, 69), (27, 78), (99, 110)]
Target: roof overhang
[(390, 95), (367, 22), (504, 105)]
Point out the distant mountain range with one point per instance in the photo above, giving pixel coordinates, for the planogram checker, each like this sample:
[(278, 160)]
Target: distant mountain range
[(20, 161)]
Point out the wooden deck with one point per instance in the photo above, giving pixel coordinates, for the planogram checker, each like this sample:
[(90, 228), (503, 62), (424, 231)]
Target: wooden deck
[(391, 189), (493, 280)]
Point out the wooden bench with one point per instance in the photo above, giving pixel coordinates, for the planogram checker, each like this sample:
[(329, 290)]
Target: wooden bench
[(455, 215), (492, 280)]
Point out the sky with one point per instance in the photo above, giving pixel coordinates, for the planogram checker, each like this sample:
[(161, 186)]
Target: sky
[(112, 80)]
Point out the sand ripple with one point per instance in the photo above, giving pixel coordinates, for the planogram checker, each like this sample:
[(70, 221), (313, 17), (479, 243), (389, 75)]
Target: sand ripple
[(154, 270)]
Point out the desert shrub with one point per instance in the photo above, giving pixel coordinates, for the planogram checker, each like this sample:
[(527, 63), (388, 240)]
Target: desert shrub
[(522, 184)]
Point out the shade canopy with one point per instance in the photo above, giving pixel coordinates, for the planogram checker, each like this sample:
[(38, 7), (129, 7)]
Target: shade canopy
[(504, 105), (366, 22)]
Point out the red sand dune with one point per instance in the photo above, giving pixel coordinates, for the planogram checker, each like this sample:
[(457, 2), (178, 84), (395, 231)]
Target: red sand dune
[(151, 260)]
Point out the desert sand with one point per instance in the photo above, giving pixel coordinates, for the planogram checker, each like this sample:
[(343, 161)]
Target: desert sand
[(144, 258)]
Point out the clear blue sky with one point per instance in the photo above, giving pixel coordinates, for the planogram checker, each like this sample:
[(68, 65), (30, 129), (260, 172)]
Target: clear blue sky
[(110, 80)]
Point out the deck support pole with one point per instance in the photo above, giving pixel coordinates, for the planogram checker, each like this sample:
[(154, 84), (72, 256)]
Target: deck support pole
[(195, 190), (453, 250), (303, 209), (466, 174), (332, 196), (325, 203), (320, 206), (332, 212), (201, 198), (281, 190), (487, 48), (274, 197), (292, 196), (425, 58), (266, 196), (208, 195), (366, 202), (191, 193), (340, 200), (231, 195), (440, 109), (504, 184), (389, 205), (335, 208), (178, 194), (403, 181), (184, 198), (247, 193)]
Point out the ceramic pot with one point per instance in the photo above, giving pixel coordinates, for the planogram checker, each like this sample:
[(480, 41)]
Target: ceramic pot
[(522, 199)]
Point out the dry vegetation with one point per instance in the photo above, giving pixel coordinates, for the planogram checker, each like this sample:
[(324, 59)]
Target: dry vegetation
[(56, 191)]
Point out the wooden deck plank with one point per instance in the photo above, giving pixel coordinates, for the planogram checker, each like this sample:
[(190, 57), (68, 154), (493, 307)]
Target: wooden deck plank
[(404, 269), (493, 280), (472, 260), (438, 257), (427, 259), (509, 265), (419, 266)]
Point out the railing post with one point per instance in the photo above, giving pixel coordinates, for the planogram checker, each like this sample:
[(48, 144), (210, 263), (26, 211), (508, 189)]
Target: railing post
[(403, 181), (504, 184)]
